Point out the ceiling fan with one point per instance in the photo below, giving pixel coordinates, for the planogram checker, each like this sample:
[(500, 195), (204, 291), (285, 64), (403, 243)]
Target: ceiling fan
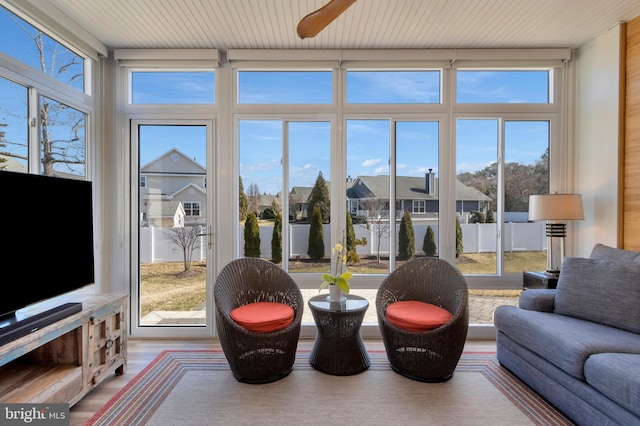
[(313, 23)]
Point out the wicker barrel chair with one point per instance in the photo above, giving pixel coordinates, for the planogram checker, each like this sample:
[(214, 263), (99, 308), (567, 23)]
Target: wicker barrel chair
[(432, 355), (256, 357)]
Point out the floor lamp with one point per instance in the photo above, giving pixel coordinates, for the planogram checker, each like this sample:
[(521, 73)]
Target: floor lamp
[(555, 208)]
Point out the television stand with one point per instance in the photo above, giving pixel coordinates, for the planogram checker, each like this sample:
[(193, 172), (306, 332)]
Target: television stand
[(63, 361), (35, 322)]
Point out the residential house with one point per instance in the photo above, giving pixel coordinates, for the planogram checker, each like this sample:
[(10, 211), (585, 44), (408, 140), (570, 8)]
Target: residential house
[(369, 196), (164, 214), (299, 202), (172, 191)]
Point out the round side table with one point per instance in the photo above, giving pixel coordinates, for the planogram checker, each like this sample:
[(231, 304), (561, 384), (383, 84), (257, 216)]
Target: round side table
[(338, 348)]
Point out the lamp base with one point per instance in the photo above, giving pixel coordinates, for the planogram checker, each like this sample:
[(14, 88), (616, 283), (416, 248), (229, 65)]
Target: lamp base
[(556, 233)]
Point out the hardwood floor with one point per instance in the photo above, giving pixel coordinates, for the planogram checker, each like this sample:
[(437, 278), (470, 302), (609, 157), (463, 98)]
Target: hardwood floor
[(142, 351)]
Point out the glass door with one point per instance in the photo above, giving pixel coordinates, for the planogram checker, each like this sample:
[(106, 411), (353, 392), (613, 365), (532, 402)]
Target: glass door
[(173, 231)]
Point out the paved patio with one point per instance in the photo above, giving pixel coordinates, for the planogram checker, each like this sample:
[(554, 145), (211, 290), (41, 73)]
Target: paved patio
[(481, 310)]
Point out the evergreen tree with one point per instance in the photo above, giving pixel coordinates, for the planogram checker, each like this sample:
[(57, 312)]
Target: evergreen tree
[(276, 240), (244, 202), (251, 236), (352, 254), (351, 234), (319, 197), (458, 237), (429, 244), (406, 237), (316, 236)]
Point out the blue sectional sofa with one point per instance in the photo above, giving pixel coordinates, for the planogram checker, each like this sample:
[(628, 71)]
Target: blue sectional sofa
[(579, 345)]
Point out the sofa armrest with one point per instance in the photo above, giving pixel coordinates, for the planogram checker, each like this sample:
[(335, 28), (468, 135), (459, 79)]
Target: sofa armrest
[(541, 300)]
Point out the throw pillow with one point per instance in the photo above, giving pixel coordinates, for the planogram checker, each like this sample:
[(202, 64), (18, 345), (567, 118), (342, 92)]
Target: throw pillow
[(263, 317), (602, 291), (413, 315), (601, 251)]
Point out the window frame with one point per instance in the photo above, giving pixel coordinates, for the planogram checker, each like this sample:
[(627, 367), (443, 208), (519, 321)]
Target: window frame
[(39, 85)]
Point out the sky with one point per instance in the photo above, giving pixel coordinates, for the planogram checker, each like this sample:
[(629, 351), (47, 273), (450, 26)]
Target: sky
[(368, 152), (367, 141)]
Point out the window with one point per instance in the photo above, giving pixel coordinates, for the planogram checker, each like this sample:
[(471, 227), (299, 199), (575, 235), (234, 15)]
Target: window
[(449, 169), (305, 231), (393, 87), (275, 87), (56, 129), (143, 181), (28, 44), (503, 86), (191, 208), (172, 87), (62, 139), (14, 129)]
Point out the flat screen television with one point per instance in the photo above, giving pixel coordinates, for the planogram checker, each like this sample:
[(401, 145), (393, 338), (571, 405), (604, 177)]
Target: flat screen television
[(47, 238)]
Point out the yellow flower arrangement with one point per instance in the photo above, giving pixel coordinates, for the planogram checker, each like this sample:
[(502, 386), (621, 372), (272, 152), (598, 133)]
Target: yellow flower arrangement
[(339, 278)]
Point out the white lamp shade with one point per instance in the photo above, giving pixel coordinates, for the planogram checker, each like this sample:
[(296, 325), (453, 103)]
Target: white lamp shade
[(555, 207)]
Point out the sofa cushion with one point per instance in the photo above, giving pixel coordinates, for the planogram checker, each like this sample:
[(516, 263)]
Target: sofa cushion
[(564, 341), (537, 299), (600, 290), (617, 376), (601, 251)]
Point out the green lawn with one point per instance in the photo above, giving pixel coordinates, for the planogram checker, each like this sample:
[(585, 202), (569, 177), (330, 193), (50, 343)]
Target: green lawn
[(166, 287)]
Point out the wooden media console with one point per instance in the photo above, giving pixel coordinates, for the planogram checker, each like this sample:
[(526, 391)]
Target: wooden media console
[(62, 362)]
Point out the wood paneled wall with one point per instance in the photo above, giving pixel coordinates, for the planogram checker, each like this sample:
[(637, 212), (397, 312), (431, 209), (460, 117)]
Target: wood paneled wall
[(630, 158)]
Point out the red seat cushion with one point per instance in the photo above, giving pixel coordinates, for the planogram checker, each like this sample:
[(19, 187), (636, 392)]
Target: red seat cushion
[(263, 317), (417, 316)]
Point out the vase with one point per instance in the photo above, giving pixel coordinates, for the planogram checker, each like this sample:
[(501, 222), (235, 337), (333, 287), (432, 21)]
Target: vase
[(335, 294)]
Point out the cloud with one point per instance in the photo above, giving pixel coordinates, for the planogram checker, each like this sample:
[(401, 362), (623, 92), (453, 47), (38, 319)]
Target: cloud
[(371, 162)]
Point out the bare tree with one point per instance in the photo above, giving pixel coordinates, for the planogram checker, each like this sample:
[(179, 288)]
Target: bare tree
[(3, 144), (187, 238), (255, 199), (378, 218)]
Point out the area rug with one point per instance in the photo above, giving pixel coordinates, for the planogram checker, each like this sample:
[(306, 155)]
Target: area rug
[(185, 388)]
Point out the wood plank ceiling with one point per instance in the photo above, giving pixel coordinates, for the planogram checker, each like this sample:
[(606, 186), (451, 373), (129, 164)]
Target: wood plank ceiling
[(367, 24)]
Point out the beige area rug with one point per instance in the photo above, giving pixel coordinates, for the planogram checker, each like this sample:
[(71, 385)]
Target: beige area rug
[(185, 388)]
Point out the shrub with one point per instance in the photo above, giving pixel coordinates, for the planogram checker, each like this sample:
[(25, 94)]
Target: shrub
[(276, 240), (268, 214), (477, 217), (490, 218), (459, 247), (351, 234), (251, 236), (429, 244), (316, 236), (406, 237)]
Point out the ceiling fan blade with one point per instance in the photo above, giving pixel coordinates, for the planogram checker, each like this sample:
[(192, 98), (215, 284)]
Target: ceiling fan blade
[(313, 23)]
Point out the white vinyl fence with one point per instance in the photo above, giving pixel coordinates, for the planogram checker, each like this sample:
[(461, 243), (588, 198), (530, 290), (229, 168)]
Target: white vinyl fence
[(476, 238)]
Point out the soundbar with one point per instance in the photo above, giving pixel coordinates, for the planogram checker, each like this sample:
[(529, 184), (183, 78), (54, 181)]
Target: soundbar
[(34, 323)]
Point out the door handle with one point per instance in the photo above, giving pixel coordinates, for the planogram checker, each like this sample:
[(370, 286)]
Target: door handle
[(208, 235)]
